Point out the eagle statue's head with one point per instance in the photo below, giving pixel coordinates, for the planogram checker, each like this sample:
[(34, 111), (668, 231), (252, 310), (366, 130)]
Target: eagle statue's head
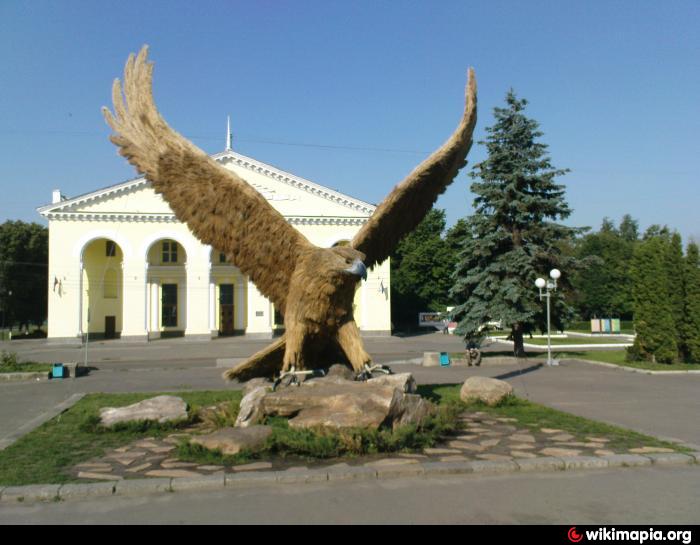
[(349, 261)]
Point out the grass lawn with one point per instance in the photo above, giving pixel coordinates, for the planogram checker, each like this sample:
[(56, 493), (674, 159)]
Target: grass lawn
[(10, 364), (48, 453), (575, 340), (617, 357)]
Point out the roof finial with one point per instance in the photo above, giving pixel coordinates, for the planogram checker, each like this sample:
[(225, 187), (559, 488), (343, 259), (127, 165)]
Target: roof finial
[(229, 136)]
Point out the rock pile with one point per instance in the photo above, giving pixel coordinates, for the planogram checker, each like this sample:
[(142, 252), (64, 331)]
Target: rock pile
[(336, 401)]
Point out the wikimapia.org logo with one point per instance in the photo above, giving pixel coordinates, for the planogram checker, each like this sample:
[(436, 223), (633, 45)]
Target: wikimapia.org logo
[(637, 536)]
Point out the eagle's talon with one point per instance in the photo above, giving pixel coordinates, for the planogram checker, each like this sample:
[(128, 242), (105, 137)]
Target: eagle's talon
[(292, 376), (369, 371)]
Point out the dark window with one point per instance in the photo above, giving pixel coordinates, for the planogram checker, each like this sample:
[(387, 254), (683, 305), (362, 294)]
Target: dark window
[(110, 248), (169, 251), (169, 302), (279, 319), (222, 257)]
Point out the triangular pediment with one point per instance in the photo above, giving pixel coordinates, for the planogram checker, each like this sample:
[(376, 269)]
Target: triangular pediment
[(291, 195)]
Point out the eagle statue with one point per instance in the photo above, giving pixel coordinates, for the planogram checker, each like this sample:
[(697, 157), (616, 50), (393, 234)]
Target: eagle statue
[(312, 287)]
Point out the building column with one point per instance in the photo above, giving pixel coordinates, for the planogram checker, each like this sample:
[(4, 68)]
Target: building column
[(134, 301), (241, 304), (153, 313), (81, 295), (197, 309), (259, 323), (212, 307)]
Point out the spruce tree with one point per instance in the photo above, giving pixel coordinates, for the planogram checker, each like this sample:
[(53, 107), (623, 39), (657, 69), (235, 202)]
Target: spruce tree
[(690, 331), (513, 235)]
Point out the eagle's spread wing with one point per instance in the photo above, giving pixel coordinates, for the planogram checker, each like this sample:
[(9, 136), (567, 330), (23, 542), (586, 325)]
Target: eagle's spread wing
[(219, 207), (409, 202)]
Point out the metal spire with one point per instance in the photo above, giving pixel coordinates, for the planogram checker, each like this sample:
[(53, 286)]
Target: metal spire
[(229, 136)]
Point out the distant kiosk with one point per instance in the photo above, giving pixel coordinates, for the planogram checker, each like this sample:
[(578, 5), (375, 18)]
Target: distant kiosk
[(605, 326), (438, 320)]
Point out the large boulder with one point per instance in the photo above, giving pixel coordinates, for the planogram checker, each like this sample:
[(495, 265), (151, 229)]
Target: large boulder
[(487, 390), (251, 411), (338, 403), (161, 409), (233, 440), (403, 381)]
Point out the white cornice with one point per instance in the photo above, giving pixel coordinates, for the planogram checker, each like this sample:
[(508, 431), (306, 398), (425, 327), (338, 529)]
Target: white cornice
[(50, 211), (170, 218)]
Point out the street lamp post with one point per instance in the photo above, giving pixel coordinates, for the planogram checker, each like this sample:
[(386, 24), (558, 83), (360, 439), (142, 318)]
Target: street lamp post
[(549, 287)]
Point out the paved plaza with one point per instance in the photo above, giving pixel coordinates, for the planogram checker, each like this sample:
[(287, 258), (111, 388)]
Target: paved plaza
[(661, 406)]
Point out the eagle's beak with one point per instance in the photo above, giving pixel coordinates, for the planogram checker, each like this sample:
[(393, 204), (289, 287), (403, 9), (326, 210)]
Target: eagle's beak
[(358, 269)]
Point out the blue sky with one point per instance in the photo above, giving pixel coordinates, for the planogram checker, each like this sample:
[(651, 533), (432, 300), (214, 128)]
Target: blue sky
[(353, 95)]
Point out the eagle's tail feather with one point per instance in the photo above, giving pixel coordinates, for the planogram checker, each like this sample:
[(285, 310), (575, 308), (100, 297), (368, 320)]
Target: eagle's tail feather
[(264, 363)]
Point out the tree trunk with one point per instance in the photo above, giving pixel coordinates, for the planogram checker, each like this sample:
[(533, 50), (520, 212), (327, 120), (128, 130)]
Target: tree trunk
[(517, 334)]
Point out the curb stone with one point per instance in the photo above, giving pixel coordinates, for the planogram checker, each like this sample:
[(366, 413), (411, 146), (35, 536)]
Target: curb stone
[(31, 493), (246, 479), (548, 463), (627, 460), (585, 462), (447, 468), (82, 491), (309, 476), (205, 482), (398, 471), (493, 467), (143, 487), (352, 474), (668, 458)]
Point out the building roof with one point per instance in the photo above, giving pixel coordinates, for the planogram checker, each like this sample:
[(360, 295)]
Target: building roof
[(225, 157)]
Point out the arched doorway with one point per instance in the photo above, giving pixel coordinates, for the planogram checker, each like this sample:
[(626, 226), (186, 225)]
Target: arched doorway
[(102, 289), (167, 289)]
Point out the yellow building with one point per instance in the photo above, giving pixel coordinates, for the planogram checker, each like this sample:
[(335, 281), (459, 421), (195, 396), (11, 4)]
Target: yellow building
[(122, 266)]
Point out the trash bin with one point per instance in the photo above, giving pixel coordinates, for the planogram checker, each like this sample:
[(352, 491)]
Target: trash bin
[(444, 359), (58, 371)]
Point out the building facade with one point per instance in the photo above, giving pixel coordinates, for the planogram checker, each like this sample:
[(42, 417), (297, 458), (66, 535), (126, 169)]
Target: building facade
[(122, 266)]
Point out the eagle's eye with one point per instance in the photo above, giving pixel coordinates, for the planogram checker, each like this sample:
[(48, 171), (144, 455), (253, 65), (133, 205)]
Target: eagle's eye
[(348, 261)]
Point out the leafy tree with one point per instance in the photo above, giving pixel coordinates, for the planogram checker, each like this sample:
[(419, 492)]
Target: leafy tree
[(690, 331), (605, 289), (513, 236), (23, 273), (420, 271)]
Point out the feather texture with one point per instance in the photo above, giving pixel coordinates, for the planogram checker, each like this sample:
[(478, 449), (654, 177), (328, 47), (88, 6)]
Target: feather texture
[(219, 207), (408, 203)]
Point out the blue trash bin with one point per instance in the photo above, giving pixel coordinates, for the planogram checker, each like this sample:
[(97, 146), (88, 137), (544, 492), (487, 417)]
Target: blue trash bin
[(444, 359), (58, 371)]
